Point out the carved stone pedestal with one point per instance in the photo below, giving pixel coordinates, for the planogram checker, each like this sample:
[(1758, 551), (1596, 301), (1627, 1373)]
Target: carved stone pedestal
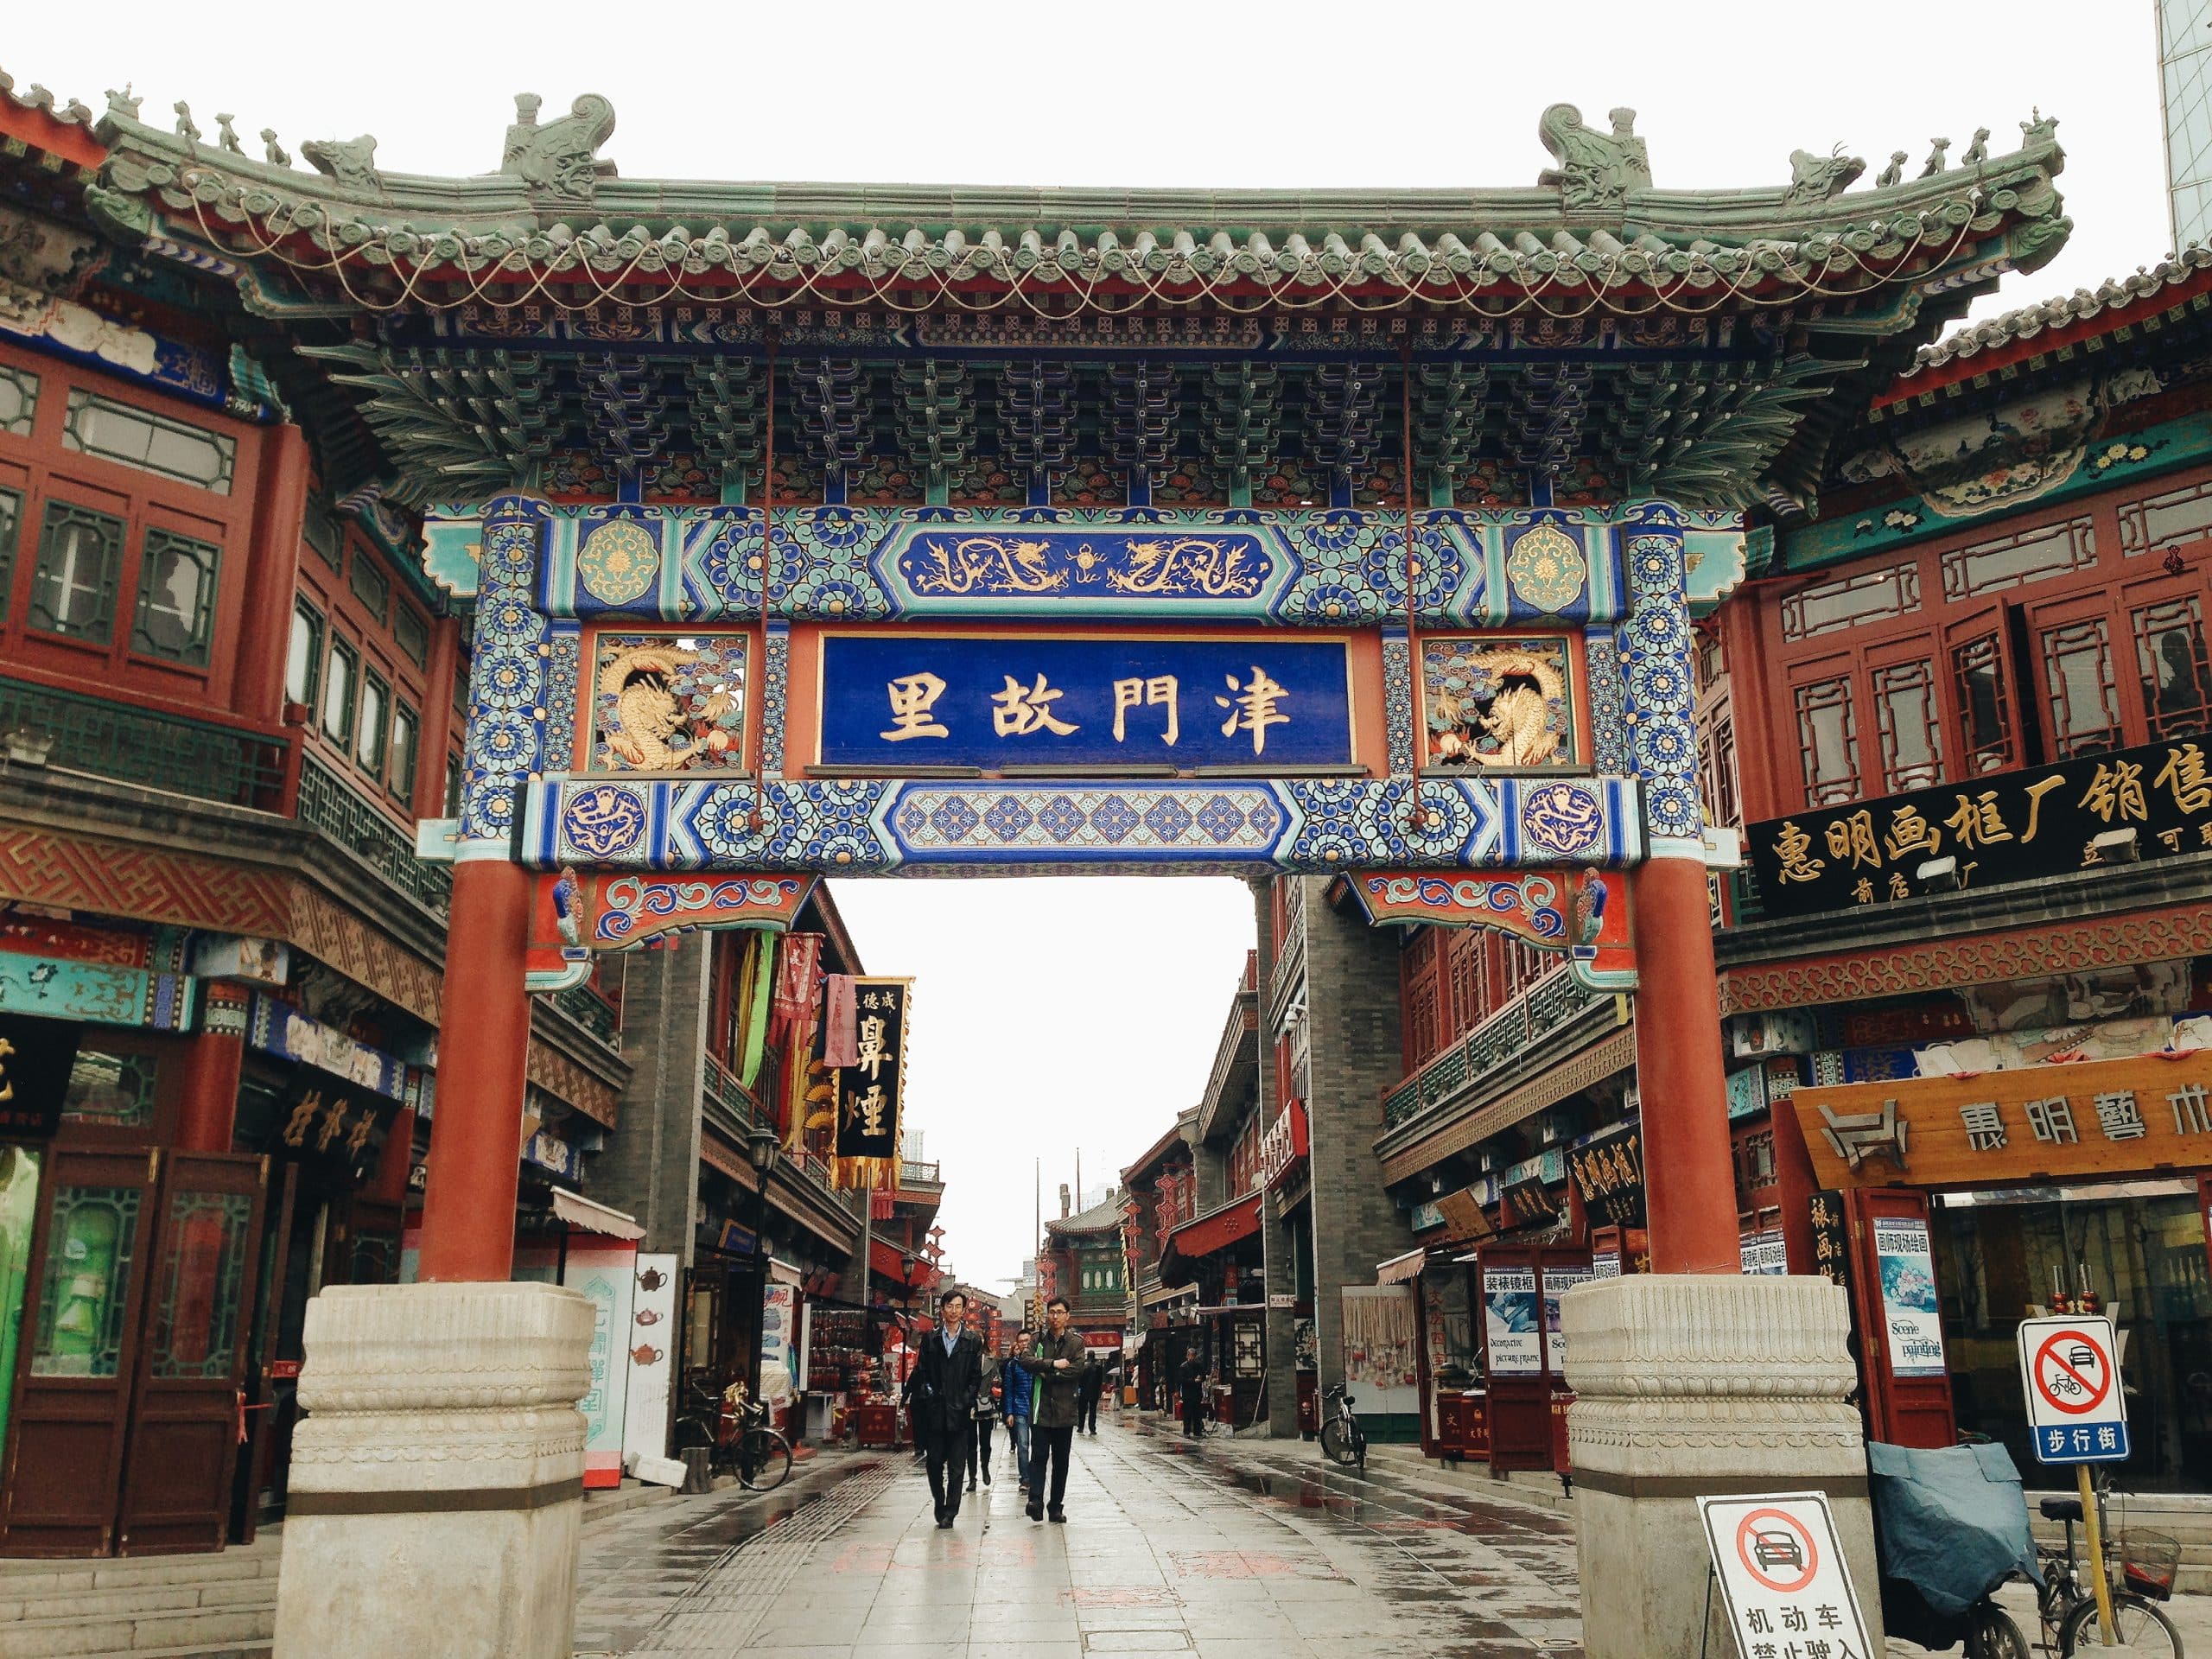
[(437, 1484), (1687, 1386)]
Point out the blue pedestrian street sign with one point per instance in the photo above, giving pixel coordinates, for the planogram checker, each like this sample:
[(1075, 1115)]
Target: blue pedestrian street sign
[(2069, 1373)]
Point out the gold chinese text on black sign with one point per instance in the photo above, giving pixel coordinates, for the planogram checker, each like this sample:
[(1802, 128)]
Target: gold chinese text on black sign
[(2043, 821), (869, 1090), (1609, 1173)]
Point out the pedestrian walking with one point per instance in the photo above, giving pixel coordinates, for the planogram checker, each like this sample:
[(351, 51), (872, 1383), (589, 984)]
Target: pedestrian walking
[(941, 1397), (1087, 1393), (1194, 1394), (1058, 1358), (979, 1443), (1017, 1393)]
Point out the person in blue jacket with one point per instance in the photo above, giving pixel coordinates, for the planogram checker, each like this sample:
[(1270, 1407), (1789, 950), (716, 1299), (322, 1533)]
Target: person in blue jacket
[(1017, 1393)]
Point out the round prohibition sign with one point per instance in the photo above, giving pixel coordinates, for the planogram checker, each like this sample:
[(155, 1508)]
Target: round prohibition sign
[(1773, 1543), (2080, 1372)]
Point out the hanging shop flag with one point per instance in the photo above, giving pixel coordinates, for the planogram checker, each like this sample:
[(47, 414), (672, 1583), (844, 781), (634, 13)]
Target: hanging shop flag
[(36, 1057), (798, 983), (838, 1029), (867, 1087)]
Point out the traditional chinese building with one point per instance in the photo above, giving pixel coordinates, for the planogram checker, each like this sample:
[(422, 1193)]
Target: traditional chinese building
[(1978, 817), (227, 693)]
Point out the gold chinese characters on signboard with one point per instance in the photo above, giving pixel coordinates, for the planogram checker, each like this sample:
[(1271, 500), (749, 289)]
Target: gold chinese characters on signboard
[(2037, 1123)]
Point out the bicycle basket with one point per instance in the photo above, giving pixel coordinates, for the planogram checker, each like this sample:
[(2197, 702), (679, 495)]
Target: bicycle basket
[(2148, 1561)]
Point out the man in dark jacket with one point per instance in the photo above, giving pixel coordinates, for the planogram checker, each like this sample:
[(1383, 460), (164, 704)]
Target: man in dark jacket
[(1087, 1393), (1057, 1361), (1017, 1383), (941, 1395), (1194, 1394)]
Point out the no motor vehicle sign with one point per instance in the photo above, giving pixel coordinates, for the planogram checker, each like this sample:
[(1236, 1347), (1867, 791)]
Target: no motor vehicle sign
[(2069, 1374), (1782, 1576)]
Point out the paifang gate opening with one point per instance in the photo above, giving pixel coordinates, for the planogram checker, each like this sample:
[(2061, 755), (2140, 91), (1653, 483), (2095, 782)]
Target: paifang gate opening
[(904, 532)]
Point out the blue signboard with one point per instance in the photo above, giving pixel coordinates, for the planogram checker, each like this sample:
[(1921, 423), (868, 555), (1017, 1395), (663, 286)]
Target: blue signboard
[(898, 700)]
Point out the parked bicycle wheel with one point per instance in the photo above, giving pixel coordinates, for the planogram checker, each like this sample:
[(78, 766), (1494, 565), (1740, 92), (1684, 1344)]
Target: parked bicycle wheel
[(767, 1460), (2143, 1632), (1338, 1445), (1993, 1634)]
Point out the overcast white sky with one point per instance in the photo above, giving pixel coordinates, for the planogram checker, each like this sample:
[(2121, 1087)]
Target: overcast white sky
[(1051, 1016)]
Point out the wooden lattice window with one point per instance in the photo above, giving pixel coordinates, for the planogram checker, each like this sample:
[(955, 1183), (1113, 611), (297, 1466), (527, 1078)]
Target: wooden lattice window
[(1894, 590), (1905, 721), (2170, 657), (11, 523), (411, 634), (2078, 680), (370, 586), (18, 401), (124, 433), (304, 658), (1978, 679), (406, 750), (2025, 555), (73, 586), (1827, 738), (176, 598), (340, 679), (372, 729), (2169, 517)]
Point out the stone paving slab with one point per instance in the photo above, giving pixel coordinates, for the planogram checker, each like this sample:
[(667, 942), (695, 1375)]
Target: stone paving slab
[(1246, 1549)]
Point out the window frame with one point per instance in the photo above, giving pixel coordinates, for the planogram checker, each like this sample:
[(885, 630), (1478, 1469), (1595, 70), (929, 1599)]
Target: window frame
[(403, 713), (200, 645), (339, 645), (304, 609), (61, 508), (370, 749)]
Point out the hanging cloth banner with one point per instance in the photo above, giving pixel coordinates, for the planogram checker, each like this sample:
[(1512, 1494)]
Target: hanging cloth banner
[(868, 1089), (757, 995), (798, 983), (839, 1042)]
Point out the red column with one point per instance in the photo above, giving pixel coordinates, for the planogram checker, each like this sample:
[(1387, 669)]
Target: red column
[(1689, 1176), (468, 1205), (208, 1111)]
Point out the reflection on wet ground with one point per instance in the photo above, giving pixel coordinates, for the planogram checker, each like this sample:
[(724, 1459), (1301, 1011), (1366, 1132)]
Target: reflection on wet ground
[(1229, 1550)]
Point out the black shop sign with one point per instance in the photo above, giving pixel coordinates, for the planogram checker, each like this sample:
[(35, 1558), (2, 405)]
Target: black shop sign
[(868, 1092), (2016, 827), (1608, 1171), (36, 1057), (325, 1120)]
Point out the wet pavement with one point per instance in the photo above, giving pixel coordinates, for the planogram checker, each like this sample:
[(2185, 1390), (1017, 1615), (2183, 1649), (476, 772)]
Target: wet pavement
[(1238, 1550)]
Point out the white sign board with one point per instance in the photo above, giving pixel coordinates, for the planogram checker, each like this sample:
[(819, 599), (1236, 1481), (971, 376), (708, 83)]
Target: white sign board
[(1557, 1282), (2069, 1374), (652, 1354), (1784, 1580), (1512, 1322), (1909, 1305), (1762, 1254)]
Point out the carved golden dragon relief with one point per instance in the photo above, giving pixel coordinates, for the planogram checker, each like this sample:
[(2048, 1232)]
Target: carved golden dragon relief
[(1171, 567), (1186, 564), (988, 563)]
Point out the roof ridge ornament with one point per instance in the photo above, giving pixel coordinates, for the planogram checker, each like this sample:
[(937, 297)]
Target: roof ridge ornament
[(559, 161), (1815, 178), (1596, 169), (352, 162)]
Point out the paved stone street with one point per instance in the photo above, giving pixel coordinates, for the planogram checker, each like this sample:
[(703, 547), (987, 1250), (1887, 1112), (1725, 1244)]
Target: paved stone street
[(1249, 1551)]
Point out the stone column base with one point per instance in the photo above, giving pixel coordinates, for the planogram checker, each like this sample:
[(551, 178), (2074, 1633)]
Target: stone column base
[(1702, 1385), (437, 1487)]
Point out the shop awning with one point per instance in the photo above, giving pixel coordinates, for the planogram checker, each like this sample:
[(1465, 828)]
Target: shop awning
[(1402, 1269), (582, 1214), (1217, 1228), (890, 1263), (1168, 1294)]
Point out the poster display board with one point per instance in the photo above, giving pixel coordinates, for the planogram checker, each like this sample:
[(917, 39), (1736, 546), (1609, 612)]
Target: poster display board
[(1557, 1282), (1908, 1307), (1511, 1327), (652, 1357)]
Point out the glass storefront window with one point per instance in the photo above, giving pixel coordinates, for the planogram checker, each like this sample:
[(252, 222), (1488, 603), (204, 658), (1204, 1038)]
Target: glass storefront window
[(2141, 1246), (18, 1221), (203, 1263), (116, 1090), (87, 1281)]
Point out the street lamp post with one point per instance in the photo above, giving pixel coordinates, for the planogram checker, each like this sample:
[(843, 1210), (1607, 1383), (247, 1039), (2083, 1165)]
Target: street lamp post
[(761, 1148)]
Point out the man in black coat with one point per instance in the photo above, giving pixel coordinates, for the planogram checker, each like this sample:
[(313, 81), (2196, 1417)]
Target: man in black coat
[(941, 1398)]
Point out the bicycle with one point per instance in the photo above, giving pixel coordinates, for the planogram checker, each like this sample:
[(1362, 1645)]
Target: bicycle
[(737, 1437), (1343, 1441), (2066, 1605)]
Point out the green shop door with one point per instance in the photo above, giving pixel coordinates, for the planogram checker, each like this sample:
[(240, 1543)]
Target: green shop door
[(124, 1418)]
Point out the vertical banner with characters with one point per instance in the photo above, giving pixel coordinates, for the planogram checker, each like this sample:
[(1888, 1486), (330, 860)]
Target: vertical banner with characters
[(605, 1270), (868, 1091), (1908, 1296)]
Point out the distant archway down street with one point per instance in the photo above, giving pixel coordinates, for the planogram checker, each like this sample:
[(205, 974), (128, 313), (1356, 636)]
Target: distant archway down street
[(1420, 614)]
